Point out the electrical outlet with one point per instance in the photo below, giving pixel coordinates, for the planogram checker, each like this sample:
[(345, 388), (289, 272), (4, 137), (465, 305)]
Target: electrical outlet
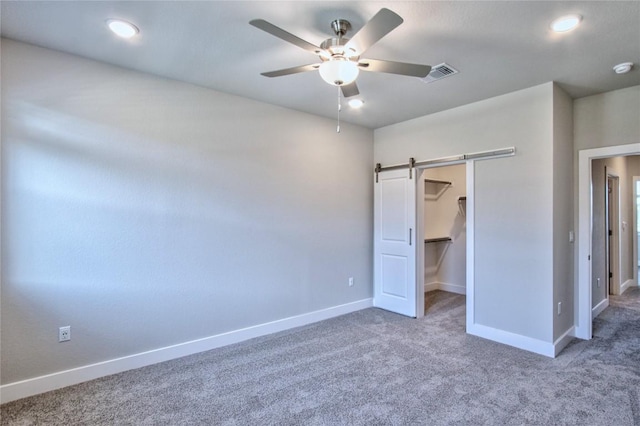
[(350, 281), (559, 308), (64, 334)]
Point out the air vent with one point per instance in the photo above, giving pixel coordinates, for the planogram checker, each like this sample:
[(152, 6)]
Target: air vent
[(439, 72)]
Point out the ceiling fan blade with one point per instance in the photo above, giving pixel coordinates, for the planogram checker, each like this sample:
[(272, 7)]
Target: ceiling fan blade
[(391, 67), (349, 90), (379, 26), (282, 34), (293, 70)]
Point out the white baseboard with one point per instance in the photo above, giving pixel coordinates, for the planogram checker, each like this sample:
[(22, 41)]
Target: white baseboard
[(562, 341), (431, 286), (599, 308), (516, 340), (49, 382), (451, 288), (626, 285)]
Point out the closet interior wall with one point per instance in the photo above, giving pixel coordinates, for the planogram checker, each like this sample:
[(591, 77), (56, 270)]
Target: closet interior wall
[(444, 217)]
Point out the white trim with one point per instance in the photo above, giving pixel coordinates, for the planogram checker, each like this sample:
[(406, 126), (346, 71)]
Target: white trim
[(470, 218), (516, 340), (628, 283), (420, 283), (583, 284), (451, 288), (523, 342), (431, 287), (597, 310), (49, 382), (562, 341), (634, 227)]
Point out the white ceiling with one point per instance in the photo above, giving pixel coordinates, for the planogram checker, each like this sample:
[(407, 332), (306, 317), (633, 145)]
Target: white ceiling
[(498, 47)]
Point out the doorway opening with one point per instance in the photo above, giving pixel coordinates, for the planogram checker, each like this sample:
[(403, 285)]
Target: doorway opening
[(591, 284), (441, 222)]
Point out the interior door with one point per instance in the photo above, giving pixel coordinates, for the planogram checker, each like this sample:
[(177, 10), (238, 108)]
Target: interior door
[(395, 242)]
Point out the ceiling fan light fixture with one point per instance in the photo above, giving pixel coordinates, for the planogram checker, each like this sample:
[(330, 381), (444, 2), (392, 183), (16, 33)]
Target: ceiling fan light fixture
[(122, 28), (566, 23), (356, 103), (339, 72)]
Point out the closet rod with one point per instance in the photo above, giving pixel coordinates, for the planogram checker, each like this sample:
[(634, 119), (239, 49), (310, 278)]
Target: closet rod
[(496, 153)]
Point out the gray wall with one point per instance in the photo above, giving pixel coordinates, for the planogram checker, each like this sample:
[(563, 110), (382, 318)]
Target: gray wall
[(608, 119), (562, 212), (514, 198), (146, 212)]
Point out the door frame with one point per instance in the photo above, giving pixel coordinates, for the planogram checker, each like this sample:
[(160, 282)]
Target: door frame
[(634, 227), (612, 215), (470, 293), (582, 287)]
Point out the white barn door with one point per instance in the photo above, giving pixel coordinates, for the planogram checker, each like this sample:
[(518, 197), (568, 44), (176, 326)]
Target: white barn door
[(395, 242)]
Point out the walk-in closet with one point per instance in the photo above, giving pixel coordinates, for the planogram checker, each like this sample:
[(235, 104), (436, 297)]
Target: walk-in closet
[(445, 203)]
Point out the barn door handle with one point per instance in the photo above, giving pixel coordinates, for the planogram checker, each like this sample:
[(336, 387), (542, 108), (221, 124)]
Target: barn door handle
[(410, 232)]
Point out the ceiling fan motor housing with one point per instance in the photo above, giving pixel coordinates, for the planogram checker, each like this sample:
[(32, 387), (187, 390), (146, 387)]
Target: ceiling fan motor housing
[(336, 47)]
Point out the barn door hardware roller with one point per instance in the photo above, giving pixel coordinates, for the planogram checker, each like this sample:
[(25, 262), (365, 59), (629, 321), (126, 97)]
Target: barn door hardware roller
[(484, 155)]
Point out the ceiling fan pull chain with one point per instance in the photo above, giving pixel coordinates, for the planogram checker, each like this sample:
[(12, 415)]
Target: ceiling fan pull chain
[(339, 109)]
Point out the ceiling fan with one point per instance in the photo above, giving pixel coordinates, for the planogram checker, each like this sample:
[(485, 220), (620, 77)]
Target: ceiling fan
[(340, 57)]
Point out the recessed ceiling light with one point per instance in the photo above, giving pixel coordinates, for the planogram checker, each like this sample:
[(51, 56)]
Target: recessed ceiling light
[(122, 28), (356, 103), (623, 68), (566, 23)]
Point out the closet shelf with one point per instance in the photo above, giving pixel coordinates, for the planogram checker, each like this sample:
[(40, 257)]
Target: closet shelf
[(441, 182), (437, 240), (462, 205)]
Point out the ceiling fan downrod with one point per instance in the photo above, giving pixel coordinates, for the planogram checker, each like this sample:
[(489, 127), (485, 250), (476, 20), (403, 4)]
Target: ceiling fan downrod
[(340, 27)]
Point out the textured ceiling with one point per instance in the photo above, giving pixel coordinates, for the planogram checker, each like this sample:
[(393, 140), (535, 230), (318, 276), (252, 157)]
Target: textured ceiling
[(498, 47)]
